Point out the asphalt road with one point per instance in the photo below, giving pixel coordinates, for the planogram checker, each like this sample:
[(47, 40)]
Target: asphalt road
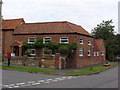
[(15, 79)]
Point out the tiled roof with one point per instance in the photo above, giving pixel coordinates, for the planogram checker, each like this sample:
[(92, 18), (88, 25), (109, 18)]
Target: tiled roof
[(11, 23), (51, 27), (100, 44)]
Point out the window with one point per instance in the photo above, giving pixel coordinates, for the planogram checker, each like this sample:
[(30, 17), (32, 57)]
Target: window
[(46, 39), (89, 42), (89, 52), (31, 40), (81, 40), (64, 40), (32, 51), (97, 53), (81, 52), (102, 53), (94, 53)]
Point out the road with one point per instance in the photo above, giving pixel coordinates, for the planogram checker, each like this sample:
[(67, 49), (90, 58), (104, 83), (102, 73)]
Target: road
[(16, 79)]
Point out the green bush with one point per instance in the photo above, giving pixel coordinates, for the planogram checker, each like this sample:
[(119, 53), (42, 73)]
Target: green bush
[(27, 53)]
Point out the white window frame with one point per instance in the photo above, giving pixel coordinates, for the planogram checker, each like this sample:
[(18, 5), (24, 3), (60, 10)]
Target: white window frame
[(102, 53), (97, 53), (65, 39), (31, 50), (89, 42), (94, 53), (81, 52), (45, 38), (89, 52), (29, 39), (81, 41)]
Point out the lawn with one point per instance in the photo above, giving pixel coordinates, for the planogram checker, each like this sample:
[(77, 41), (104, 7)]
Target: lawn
[(91, 70), (29, 69)]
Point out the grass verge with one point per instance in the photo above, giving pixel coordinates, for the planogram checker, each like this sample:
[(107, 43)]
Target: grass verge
[(91, 70), (29, 69)]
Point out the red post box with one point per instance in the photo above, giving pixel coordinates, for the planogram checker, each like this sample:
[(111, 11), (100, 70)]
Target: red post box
[(8, 55)]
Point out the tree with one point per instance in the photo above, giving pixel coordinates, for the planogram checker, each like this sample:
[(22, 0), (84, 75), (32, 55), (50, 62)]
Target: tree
[(38, 45), (105, 31)]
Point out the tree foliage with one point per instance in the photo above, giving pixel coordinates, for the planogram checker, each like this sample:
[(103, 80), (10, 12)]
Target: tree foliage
[(105, 31), (63, 49)]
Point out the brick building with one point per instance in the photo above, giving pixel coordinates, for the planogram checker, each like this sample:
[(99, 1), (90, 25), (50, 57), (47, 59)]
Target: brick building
[(16, 31)]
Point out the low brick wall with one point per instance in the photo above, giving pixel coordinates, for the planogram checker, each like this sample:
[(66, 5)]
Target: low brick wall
[(24, 61), (45, 62)]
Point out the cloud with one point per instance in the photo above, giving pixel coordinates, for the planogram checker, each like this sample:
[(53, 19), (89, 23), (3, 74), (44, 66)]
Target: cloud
[(87, 13)]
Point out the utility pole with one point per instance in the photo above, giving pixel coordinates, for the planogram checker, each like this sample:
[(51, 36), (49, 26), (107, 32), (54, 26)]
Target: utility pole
[(0, 29), (119, 17)]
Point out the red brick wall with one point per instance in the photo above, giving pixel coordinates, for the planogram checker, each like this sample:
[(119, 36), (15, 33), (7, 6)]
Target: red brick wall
[(76, 60), (7, 41)]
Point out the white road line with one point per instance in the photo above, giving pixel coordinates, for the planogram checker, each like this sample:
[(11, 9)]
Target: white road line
[(41, 81), (54, 81), (11, 84), (49, 79), (46, 82), (74, 77), (20, 83), (58, 79), (25, 85), (32, 82), (37, 83), (63, 77), (16, 86)]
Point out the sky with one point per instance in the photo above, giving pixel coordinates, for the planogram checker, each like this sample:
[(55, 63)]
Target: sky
[(87, 13)]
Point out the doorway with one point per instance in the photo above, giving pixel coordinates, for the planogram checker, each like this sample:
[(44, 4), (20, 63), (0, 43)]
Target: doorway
[(16, 50)]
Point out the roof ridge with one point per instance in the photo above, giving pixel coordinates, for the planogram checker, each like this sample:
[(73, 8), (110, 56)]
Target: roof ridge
[(14, 19), (47, 22), (70, 26)]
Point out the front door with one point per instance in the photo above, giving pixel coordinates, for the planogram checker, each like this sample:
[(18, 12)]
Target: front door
[(16, 50)]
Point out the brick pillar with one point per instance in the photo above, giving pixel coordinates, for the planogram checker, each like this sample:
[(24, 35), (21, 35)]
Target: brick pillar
[(57, 61), (20, 50)]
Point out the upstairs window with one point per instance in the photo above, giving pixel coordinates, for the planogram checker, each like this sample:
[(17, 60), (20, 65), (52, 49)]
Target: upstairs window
[(89, 42), (47, 39), (81, 40), (89, 52), (102, 53), (31, 40), (64, 40), (97, 53), (81, 52), (94, 53)]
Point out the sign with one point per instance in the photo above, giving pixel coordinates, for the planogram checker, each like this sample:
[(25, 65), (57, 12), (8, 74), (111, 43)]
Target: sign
[(12, 54)]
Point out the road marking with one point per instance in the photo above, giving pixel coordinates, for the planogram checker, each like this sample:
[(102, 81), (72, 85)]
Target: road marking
[(20, 83), (11, 84), (54, 80), (16, 86), (37, 83), (49, 79), (30, 83), (46, 82), (41, 81)]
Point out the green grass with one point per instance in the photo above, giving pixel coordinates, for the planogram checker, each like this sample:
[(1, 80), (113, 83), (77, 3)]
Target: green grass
[(94, 69), (29, 69)]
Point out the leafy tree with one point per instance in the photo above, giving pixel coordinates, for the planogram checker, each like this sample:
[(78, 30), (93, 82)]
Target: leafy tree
[(105, 31)]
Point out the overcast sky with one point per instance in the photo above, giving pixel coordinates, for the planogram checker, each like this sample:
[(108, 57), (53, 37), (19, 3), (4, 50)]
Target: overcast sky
[(87, 13)]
